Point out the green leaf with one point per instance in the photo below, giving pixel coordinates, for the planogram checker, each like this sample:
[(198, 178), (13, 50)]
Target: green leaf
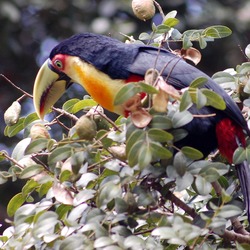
[(76, 161), (31, 171), (161, 122), (203, 187), (19, 150), (15, 202), (133, 138), (164, 232), (147, 88), (29, 187), (202, 42), (183, 182), (158, 151), (192, 153), (159, 135), (225, 79), (126, 92), (68, 105), (162, 28), (11, 131), (186, 101), (180, 163), (107, 193), (83, 104), (239, 155), (3, 154), (225, 196), (83, 196), (198, 82), (176, 35), (44, 188), (192, 34), (244, 68), (30, 118), (186, 42), (210, 174), (213, 99), (144, 36), (229, 211), (217, 31), (133, 153), (45, 224), (102, 136), (36, 146), (131, 241), (179, 134), (171, 21), (171, 14), (59, 154), (65, 175), (102, 242), (198, 97), (144, 155), (3, 177), (63, 210), (218, 225), (181, 118)]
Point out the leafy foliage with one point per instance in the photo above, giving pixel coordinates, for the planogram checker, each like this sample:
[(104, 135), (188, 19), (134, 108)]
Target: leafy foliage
[(128, 187)]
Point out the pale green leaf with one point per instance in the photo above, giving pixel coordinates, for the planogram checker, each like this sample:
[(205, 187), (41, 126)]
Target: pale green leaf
[(198, 82), (30, 118), (181, 118), (31, 171), (126, 92), (37, 146), (192, 153), (159, 135), (11, 131), (186, 101), (59, 154), (68, 105), (15, 202), (217, 31), (213, 99)]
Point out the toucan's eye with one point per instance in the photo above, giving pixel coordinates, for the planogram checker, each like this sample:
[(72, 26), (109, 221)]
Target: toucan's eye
[(58, 64)]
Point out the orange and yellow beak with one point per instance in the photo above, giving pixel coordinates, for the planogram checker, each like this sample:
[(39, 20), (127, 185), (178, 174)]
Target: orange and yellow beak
[(50, 84), (48, 88)]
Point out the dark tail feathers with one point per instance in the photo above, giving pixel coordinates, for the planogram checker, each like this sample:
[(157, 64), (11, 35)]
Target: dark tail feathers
[(243, 171)]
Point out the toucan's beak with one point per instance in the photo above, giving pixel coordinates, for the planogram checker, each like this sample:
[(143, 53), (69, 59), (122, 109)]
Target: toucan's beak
[(49, 87)]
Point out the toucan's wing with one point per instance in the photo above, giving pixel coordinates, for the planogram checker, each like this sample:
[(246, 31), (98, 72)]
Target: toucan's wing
[(180, 74)]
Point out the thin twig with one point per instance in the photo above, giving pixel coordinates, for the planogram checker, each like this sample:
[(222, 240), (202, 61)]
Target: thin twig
[(160, 9), (15, 86), (203, 116), (237, 226), (63, 112), (179, 203), (12, 160)]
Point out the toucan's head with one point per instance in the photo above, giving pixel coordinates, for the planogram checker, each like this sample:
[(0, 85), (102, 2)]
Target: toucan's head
[(88, 60)]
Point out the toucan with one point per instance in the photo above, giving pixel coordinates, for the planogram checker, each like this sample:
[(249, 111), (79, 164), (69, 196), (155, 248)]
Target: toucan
[(103, 65)]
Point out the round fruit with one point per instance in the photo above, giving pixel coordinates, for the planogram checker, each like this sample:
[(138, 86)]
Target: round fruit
[(143, 9), (86, 128)]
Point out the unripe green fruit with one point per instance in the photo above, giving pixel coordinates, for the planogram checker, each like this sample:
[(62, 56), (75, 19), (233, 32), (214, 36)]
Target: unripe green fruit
[(143, 9), (101, 123), (38, 130), (86, 128)]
